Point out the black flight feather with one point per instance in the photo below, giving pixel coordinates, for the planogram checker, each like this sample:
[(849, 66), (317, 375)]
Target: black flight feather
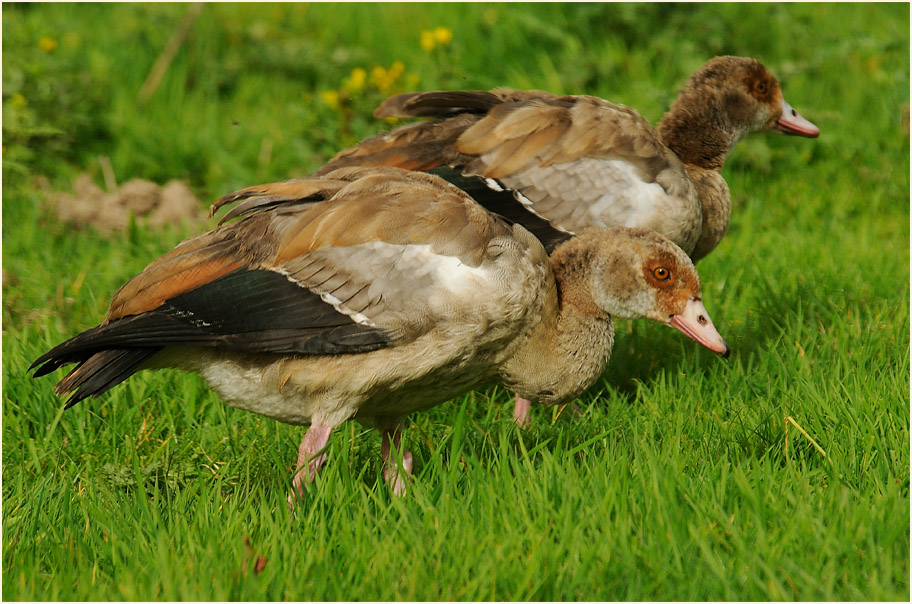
[(448, 103), (243, 311), (506, 204)]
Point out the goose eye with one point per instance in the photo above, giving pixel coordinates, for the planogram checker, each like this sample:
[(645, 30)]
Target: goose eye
[(661, 273), (761, 87)]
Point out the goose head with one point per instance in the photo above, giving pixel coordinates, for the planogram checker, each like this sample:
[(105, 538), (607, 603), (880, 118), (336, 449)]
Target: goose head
[(645, 275)]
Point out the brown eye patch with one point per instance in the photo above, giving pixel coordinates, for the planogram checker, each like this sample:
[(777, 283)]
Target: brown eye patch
[(661, 271), (762, 88)]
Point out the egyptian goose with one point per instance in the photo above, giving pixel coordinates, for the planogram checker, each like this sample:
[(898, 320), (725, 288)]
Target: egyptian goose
[(571, 162), (393, 294)]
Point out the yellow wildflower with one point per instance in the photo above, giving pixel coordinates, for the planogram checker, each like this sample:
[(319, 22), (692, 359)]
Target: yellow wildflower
[(47, 44), (428, 42), (331, 98), (396, 70), (378, 74), (356, 81), (382, 78), (17, 101), (443, 35)]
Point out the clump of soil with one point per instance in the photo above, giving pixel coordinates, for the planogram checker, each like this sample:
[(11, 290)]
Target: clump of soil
[(151, 204)]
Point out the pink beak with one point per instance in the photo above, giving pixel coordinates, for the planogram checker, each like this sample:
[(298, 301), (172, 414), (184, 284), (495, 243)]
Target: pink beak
[(695, 323), (792, 123)]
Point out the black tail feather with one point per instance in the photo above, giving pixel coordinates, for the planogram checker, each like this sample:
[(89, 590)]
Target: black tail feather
[(77, 349), (444, 103), (102, 371), (100, 367)]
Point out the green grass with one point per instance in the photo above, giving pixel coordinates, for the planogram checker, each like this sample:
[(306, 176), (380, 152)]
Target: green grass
[(682, 480)]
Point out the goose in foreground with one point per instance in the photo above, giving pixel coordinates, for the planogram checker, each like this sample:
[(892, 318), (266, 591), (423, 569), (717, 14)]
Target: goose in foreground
[(372, 293), (560, 164)]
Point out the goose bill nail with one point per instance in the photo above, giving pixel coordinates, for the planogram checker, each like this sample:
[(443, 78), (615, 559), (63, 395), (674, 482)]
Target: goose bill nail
[(695, 323), (791, 122)]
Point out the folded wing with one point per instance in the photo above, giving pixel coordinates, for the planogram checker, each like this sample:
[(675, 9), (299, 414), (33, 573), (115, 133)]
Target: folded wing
[(368, 267), (570, 161)]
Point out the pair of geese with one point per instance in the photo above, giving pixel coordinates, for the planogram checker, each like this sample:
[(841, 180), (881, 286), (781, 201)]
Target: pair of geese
[(375, 288)]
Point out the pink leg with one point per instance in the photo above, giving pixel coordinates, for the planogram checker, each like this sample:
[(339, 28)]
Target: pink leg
[(392, 470), (310, 459), (521, 412)]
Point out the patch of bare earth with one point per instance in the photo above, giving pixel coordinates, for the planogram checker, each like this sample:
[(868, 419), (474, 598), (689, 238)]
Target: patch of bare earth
[(151, 204)]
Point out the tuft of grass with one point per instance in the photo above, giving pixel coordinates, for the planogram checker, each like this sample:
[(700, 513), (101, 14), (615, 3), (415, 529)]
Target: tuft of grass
[(780, 474)]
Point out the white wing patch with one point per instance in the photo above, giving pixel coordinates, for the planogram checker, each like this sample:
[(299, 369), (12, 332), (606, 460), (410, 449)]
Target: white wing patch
[(591, 192), (493, 184), (626, 199), (418, 262), (357, 317), (365, 281)]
